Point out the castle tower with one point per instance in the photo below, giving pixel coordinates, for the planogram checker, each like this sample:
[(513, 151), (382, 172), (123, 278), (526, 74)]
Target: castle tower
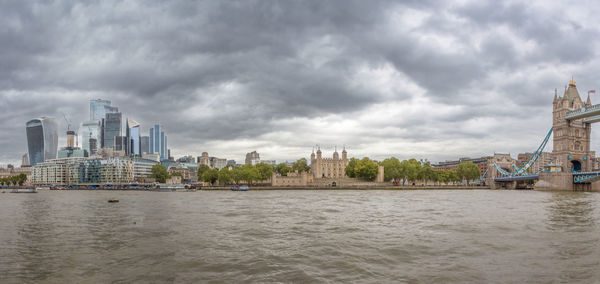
[(344, 154), (571, 139), (336, 156)]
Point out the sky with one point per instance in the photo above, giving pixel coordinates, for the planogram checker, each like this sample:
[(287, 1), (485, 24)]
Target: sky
[(434, 80)]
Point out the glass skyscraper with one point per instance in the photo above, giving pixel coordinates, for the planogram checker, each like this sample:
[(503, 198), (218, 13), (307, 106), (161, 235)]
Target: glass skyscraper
[(133, 137), (112, 128), (42, 139), (144, 144), (89, 130), (158, 141), (99, 108)]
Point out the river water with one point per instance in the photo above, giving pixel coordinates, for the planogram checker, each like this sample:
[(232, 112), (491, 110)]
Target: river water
[(300, 236)]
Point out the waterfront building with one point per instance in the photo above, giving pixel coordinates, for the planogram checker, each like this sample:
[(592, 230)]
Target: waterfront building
[(93, 145), (112, 129), (42, 139), (133, 137), (90, 130), (142, 168), (252, 156), (189, 174), (328, 167), (144, 145), (72, 152), (76, 170)]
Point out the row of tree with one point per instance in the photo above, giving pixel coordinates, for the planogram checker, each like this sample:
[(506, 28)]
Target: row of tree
[(412, 170), (395, 170), (19, 179)]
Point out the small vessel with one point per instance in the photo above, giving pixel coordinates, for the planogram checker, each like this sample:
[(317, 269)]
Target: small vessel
[(113, 200), (42, 187), (240, 188), (24, 190)]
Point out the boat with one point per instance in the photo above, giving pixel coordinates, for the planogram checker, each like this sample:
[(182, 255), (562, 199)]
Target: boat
[(240, 188), (24, 190), (113, 200), (42, 188)]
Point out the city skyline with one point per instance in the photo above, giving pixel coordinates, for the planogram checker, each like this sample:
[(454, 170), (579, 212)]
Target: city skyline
[(434, 81)]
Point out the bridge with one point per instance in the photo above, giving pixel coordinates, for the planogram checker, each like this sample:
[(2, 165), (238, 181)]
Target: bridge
[(570, 167)]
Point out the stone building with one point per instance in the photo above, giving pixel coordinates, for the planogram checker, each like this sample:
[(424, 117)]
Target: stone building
[(292, 179), (328, 167), (571, 139)]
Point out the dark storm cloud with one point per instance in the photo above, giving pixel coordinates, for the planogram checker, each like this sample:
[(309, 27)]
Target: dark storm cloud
[(242, 70)]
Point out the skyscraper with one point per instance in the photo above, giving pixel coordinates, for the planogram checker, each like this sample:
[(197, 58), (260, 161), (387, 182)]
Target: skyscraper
[(144, 145), (133, 137), (42, 139), (112, 128), (158, 141), (89, 130), (99, 108), (94, 128)]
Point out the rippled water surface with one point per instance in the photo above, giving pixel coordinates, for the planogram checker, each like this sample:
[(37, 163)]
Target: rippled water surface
[(300, 236)]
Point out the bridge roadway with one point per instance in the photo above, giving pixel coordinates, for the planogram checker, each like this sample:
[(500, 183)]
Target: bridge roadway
[(592, 113), (580, 177)]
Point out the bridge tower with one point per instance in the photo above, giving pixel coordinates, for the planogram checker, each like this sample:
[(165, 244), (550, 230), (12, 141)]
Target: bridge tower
[(571, 138)]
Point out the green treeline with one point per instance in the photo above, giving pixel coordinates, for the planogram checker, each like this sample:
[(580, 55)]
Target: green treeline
[(19, 179)]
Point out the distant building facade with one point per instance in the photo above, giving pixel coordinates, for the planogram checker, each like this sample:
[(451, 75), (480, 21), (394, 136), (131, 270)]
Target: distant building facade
[(328, 167), (251, 157), (112, 129), (42, 139), (158, 141)]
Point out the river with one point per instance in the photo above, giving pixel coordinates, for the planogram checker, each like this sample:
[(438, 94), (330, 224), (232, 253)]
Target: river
[(300, 236)]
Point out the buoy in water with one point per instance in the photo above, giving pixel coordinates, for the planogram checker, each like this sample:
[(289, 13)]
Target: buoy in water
[(113, 200)]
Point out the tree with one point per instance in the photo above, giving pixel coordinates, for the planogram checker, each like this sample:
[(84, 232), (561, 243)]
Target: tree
[(201, 169), (427, 173), (249, 173), (410, 170), (236, 174), (392, 169), (224, 175), (350, 168), (22, 178), (468, 170), (210, 176), (366, 169), (264, 171), (301, 165), (159, 172), (282, 169), (178, 174)]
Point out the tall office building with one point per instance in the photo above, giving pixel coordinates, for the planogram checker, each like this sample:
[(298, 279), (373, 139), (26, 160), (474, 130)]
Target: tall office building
[(112, 128), (144, 145), (94, 128), (99, 108), (89, 130), (120, 143), (42, 139), (158, 141), (132, 132)]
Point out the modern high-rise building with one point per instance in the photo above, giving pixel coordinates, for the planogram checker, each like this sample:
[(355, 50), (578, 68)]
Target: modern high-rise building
[(112, 128), (99, 108), (120, 143), (132, 132), (89, 130), (158, 141), (25, 160), (42, 139), (144, 145), (251, 157)]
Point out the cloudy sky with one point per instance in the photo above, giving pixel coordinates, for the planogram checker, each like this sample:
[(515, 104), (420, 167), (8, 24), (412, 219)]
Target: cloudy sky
[(425, 79)]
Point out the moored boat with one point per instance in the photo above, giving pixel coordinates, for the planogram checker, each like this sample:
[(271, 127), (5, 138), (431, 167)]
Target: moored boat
[(240, 188), (24, 190)]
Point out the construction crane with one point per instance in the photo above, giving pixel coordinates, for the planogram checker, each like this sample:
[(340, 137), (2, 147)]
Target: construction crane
[(69, 129)]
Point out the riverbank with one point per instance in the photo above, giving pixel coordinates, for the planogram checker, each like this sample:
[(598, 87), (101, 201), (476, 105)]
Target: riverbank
[(352, 188)]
